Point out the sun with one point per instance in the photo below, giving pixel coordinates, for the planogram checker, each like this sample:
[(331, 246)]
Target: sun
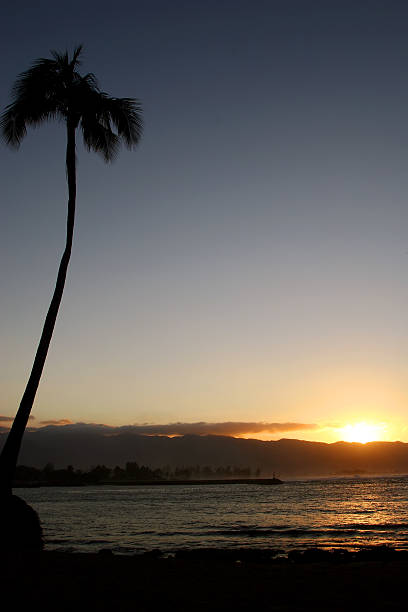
[(362, 432)]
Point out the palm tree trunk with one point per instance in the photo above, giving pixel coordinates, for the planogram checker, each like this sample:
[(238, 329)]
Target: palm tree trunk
[(11, 449)]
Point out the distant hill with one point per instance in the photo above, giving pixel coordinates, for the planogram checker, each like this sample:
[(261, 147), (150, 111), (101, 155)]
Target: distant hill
[(84, 446)]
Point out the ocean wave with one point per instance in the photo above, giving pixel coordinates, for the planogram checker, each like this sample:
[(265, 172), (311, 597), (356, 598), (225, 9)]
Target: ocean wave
[(376, 526), (329, 530)]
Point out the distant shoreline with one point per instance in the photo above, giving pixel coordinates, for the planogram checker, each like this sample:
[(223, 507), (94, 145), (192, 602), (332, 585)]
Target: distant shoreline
[(149, 483), (207, 481)]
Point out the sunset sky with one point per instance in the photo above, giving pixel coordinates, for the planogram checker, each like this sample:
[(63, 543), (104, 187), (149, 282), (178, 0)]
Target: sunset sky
[(249, 261)]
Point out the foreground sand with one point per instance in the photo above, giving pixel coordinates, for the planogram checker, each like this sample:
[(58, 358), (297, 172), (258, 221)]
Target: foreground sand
[(64, 581)]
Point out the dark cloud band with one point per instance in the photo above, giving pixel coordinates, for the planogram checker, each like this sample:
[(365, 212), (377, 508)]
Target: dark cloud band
[(56, 422), (7, 419), (229, 428)]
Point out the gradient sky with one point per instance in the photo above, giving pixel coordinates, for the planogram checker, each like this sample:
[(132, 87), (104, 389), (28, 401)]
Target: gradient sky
[(249, 261)]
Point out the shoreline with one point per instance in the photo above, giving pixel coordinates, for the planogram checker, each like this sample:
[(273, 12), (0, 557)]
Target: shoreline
[(197, 481), (383, 553), (150, 483)]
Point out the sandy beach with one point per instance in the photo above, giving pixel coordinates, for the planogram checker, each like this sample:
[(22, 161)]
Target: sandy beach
[(65, 581)]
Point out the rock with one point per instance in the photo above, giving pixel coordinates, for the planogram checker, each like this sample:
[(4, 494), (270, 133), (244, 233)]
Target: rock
[(21, 527)]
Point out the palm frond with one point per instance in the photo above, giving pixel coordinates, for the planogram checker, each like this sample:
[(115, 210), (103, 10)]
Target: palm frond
[(75, 56), (126, 116), (13, 127), (16, 117), (34, 101), (99, 138), (120, 117), (91, 80), (60, 58)]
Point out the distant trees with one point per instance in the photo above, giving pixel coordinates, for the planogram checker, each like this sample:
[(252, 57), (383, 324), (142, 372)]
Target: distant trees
[(132, 472), (96, 475), (135, 472)]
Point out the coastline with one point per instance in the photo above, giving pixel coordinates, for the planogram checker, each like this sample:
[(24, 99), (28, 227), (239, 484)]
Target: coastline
[(151, 483), (196, 481), (105, 582)]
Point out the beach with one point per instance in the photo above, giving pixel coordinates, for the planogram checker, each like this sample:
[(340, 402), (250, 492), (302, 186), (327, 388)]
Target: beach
[(66, 581)]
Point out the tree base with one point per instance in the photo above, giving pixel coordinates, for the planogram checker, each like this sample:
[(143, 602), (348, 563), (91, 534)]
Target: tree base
[(21, 527)]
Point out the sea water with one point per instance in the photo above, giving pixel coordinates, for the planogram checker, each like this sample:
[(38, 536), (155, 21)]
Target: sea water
[(327, 513)]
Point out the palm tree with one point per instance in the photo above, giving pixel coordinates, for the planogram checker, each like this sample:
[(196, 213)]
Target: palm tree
[(54, 89)]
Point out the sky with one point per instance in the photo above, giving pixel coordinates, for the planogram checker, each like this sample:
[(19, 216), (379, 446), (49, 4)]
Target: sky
[(247, 264)]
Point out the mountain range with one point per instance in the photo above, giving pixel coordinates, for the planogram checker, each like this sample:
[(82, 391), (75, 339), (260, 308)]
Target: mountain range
[(87, 445)]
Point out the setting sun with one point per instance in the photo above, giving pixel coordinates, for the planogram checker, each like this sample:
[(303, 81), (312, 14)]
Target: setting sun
[(362, 432)]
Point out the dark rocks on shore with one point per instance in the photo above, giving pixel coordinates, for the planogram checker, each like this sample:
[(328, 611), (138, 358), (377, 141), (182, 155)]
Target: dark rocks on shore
[(21, 527), (225, 554), (382, 553)]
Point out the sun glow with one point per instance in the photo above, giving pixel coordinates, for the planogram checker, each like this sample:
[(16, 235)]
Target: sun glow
[(363, 432)]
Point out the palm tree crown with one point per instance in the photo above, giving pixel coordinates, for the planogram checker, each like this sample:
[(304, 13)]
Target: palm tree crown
[(54, 89)]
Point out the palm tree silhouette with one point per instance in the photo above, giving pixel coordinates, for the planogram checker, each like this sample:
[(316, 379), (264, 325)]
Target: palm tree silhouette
[(53, 89)]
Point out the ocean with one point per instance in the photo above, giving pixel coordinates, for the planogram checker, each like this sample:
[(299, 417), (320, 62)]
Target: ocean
[(345, 513)]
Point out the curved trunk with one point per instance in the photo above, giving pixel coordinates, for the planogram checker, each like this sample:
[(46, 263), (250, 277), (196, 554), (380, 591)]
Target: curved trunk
[(11, 449)]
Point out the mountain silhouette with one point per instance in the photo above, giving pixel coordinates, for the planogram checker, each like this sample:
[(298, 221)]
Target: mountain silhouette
[(86, 445)]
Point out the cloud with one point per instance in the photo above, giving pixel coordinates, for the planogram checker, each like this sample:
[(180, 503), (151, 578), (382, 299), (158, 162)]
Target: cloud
[(229, 428), (57, 422), (332, 425), (202, 428), (5, 419)]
